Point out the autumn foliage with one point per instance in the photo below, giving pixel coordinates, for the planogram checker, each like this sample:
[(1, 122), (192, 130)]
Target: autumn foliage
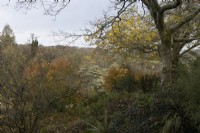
[(124, 79), (120, 79)]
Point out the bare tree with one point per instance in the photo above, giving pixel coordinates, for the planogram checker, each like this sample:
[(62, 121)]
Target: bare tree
[(53, 7)]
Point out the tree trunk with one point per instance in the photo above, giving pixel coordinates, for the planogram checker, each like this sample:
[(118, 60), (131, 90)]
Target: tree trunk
[(175, 61), (166, 59), (170, 59), (166, 75)]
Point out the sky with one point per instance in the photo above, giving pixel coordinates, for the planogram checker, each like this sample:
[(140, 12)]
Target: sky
[(71, 19)]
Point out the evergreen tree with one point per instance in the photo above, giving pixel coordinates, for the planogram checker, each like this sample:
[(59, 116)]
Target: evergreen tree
[(7, 37), (34, 47)]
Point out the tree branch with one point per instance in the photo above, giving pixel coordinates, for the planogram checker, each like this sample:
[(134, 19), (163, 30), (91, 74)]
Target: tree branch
[(186, 40), (155, 2), (170, 6), (155, 11), (185, 20), (190, 48)]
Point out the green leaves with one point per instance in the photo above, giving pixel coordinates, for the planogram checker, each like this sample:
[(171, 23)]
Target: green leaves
[(7, 37)]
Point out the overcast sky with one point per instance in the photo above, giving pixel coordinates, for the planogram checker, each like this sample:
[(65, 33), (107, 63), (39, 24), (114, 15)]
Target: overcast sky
[(75, 16)]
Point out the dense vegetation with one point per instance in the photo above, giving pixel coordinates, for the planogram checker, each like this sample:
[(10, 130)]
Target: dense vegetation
[(143, 76), (69, 89)]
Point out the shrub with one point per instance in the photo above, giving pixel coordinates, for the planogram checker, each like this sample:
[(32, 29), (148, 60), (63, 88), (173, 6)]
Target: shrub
[(189, 82), (120, 79), (149, 82), (146, 113)]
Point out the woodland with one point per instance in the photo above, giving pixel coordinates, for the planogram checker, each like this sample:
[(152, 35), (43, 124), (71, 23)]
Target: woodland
[(142, 76)]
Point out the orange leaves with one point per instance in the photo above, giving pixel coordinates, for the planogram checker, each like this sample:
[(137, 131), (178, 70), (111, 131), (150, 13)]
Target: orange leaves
[(59, 68), (32, 71), (35, 70), (119, 79), (55, 77)]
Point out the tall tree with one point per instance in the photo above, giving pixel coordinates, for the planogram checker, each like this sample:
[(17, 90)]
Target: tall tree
[(34, 45), (7, 37), (167, 32), (182, 31)]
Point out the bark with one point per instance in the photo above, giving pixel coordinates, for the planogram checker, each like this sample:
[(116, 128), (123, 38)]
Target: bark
[(175, 60), (166, 58), (166, 75), (170, 58)]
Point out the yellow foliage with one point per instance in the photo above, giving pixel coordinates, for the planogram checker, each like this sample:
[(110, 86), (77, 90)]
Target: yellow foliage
[(132, 32)]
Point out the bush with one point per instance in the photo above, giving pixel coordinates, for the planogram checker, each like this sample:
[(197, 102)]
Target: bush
[(131, 114), (158, 111), (162, 111), (149, 82), (125, 79), (120, 79), (117, 112), (189, 82)]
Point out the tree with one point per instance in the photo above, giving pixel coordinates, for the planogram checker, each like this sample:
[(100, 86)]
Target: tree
[(133, 36), (34, 45), (7, 37), (34, 90), (174, 36), (52, 8), (24, 101), (167, 33)]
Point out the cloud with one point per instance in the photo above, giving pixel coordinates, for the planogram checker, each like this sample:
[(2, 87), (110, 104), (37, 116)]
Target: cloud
[(75, 16)]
